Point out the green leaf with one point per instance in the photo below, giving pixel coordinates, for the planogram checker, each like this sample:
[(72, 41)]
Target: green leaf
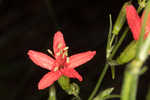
[(103, 94)]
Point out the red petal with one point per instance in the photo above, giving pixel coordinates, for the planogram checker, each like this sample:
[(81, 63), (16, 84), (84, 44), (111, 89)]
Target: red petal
[(58, 40), (134, 21), (41, 59), (147, 28), (48, 79), (79, 59), (70, 72)]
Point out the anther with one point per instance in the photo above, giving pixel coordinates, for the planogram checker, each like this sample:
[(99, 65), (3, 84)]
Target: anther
[(66, 48), (67, 60), (56, 68), (63, 56), (59, 45), (66, 53), (50, 52), (58, 53), (61, 51)]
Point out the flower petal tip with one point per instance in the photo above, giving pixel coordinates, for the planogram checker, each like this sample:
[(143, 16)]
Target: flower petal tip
[(80, 79), (30, 52), (58, 34), (41, 86), (94, 52)]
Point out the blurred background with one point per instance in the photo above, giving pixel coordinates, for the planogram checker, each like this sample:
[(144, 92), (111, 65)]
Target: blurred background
[(31, 24)]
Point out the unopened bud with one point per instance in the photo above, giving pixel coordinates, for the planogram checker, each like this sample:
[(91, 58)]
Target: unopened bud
[(128, 54), (120, 19)]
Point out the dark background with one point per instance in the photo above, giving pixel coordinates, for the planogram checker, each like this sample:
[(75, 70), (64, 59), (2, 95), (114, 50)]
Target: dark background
[(31, 24)]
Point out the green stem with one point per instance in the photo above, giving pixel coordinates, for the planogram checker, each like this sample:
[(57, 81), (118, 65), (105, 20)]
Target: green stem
[(112, 96), (99, 82), (120, 42), (52, 93), (131, 76), (112, 40), (106, 65), (110, 57), (129, 79), (109, 48)]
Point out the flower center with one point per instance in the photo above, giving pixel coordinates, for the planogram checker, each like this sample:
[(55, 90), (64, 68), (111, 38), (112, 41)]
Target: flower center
[(61, 56)]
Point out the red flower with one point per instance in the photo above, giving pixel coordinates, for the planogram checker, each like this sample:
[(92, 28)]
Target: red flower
[(62, 64), (134, 22)]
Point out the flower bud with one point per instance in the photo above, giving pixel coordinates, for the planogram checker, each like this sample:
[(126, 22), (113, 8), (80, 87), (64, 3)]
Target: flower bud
[(120, 19), (64, 82), (128, 54), (70, 88), (74, 90)]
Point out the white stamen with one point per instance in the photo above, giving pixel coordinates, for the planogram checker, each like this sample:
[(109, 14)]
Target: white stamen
[(66, 53), (56, 68), (58, 53), (50, 52), (66, 48), (61, 51), (67, 60), (63, 56), (59, 45)]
